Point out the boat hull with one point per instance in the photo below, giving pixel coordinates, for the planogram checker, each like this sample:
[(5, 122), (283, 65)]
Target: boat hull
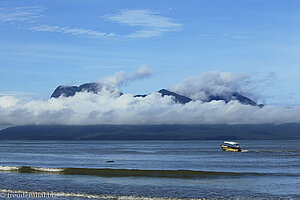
[(229, 148)]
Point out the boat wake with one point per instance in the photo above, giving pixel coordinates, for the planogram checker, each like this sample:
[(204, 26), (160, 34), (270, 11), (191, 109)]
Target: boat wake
[(272, 151)]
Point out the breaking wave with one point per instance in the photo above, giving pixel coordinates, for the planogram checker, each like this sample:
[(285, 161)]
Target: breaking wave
[(29, 194), (108, 172)]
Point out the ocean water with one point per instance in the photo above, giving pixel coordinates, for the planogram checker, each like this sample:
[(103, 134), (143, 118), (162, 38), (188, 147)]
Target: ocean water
[(149, 170)]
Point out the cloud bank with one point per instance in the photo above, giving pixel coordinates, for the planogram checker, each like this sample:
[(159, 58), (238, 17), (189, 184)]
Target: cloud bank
[(108, 108)]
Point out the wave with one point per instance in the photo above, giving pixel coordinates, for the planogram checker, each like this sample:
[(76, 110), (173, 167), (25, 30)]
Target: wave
[(108, 172), (43, 169), (8, 168), (49, 194)]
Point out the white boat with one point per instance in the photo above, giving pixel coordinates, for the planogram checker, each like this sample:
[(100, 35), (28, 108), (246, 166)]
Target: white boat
[(231, 146)]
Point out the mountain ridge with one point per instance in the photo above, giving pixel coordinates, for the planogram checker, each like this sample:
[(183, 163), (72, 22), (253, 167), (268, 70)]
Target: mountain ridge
[(69, 91)]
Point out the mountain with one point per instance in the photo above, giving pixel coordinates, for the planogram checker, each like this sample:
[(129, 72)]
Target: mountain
[(183, 99), (69, 91), (177, 98), (154, 132), (234, 96)]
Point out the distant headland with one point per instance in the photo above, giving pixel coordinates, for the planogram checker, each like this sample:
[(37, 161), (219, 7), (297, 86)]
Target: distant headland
[(154, 132)]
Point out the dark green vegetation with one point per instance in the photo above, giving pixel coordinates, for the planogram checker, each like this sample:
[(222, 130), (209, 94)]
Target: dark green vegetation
[(154, 132)]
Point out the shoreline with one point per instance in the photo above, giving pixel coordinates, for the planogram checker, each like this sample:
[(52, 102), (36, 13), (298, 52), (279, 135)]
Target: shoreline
[(8, 193)]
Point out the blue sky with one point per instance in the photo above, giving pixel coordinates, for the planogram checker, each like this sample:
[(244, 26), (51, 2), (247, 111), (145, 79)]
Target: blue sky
[(48, 43)]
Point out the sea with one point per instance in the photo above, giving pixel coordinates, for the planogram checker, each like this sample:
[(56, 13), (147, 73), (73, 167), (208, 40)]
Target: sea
[(149, 170)]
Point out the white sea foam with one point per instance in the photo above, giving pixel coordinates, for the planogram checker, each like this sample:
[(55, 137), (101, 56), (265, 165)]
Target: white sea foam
[(8, 168), (88, 196), (48, 169)]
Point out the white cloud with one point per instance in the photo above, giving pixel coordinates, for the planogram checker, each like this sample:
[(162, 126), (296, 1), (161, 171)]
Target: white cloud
[(20, 14), (150, 23), (227, 35), (89, 108), (212, 83), (107, 107), (31, 15), (112, 83), (224, 84), (72, 31), (7, 101), (241, 36)]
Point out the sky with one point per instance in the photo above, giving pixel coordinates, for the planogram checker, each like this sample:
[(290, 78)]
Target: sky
[(69, 42), (44, 44)]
